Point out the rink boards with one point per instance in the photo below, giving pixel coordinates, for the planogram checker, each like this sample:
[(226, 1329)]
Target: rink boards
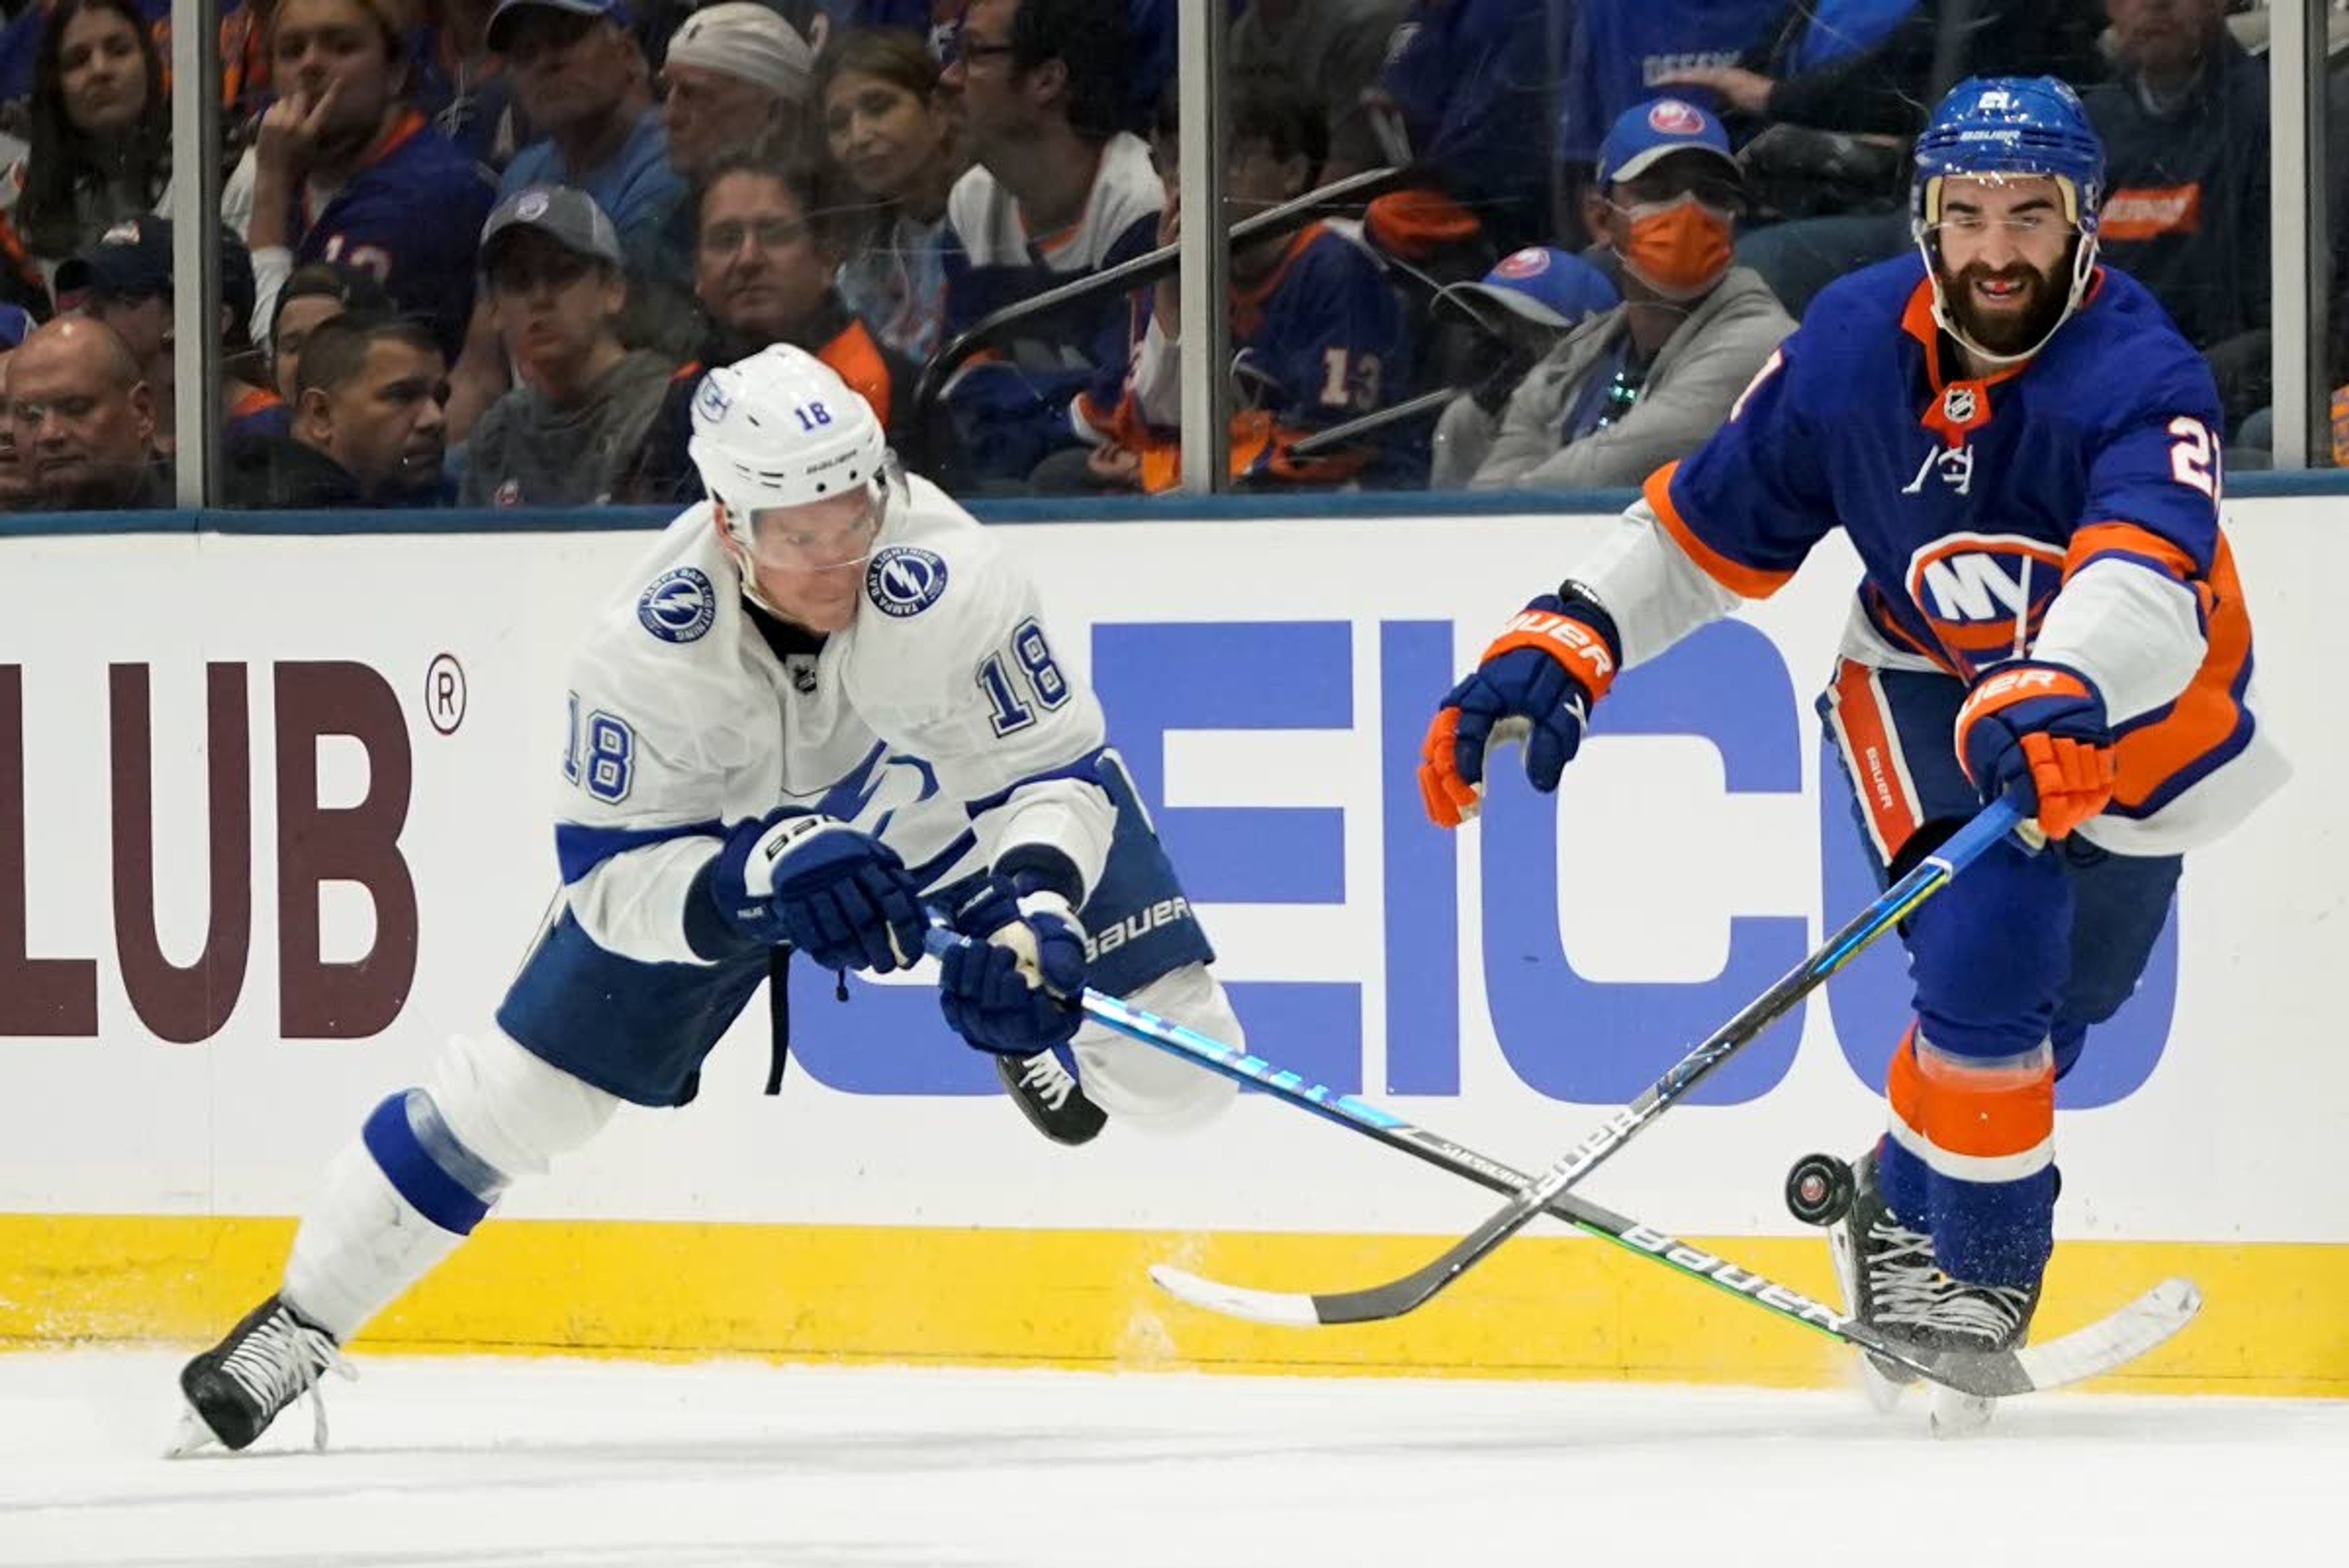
[(273, 822)]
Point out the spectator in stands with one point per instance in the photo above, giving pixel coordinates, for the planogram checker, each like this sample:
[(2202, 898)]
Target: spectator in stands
[(83, 421), (100, 124), (1060, 192), (891, 130), (343, 169), (1317, 333), (737, 75), (770, 242), (462, 84), (318, 292), (368, 429), (1334, 48), (1647, 381), (1824, 105), (1525, 306), (1465, 95), (580, 80), (568, 433), (2185, 129), (1620, 50), (15, 477), (125, 281)]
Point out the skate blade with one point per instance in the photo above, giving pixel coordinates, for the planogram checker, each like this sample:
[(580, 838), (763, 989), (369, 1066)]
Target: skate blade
[(189, 1437), (1883, 1393), (1958, 1414)]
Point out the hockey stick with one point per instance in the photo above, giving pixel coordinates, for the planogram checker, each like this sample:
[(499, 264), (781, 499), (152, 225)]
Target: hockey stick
[(2091, 1351), (1395, 1297)]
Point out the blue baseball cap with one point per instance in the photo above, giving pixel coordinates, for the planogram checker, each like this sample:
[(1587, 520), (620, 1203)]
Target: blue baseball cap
[(502, 19), (1648, 133), (1549, 286), (15, 322)]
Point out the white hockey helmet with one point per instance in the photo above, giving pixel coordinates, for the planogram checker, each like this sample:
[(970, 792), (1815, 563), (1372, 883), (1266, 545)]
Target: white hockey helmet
[(781, 429)]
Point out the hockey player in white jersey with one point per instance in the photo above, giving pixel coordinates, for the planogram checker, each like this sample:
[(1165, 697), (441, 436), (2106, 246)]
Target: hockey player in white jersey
[(825, 703)]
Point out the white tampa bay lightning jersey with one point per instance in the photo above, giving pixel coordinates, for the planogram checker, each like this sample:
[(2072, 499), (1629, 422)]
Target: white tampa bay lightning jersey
[(941, 722)]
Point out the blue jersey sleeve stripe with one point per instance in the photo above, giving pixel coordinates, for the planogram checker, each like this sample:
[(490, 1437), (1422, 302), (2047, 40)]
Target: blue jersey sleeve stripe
[(579, 849), (1085, 769)]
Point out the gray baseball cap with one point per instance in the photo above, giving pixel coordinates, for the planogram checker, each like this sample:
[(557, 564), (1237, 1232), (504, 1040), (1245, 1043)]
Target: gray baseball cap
[(571, 218)]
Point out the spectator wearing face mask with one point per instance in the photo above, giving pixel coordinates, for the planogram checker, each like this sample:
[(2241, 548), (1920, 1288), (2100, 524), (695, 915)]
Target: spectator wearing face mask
[(1649, 380)]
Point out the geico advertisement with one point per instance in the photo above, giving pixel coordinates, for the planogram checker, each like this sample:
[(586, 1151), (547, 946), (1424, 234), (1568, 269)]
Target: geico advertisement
[(280, 821)]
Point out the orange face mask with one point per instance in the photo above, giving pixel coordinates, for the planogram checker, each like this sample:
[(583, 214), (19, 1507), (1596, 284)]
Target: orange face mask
[(1679, 248)]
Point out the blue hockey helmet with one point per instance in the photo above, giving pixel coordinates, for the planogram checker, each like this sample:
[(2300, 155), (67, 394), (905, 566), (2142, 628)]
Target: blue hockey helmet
[(2012, 125), (2019, 127)]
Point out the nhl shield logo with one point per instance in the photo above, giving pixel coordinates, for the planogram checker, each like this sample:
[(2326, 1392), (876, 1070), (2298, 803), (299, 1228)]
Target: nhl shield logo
[(1958, 405)]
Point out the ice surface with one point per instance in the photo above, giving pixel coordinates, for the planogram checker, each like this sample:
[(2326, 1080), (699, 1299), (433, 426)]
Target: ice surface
[(563, 1464)]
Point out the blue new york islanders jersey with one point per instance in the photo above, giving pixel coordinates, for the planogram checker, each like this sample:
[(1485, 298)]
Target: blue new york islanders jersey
[(1625, 51), (1973, 503), (412, 219), (1317, 340)]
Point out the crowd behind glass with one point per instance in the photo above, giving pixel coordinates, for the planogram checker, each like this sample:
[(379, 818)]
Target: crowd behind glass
[(480, 252)]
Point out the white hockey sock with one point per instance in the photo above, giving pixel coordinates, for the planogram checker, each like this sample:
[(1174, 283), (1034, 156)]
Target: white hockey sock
[(361, 1244)]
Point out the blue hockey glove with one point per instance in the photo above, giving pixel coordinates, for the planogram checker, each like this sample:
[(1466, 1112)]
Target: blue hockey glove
[(1011, 989), (2035, 733), (839, 896), (1539, 678)]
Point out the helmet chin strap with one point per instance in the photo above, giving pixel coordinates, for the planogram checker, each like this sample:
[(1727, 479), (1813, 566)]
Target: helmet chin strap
[(2083, 267)]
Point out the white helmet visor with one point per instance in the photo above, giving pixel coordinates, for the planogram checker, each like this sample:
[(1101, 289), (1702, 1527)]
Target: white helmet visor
[(824, 535)]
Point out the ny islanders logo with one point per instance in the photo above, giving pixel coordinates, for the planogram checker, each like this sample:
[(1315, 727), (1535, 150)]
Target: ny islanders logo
[(1983, 594), (678, 607), (903, 580)]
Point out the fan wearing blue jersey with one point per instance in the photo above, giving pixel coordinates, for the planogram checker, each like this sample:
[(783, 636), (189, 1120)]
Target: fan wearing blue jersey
[(343, 169), (1060, 192), (1318, 335), (2024, 453), (825, 705)]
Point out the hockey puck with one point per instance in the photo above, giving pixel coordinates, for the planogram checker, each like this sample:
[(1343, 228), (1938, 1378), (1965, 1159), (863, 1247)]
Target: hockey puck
[(1818, 1190)]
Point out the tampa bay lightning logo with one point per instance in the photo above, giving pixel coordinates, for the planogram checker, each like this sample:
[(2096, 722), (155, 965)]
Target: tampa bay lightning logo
[(903, 580), (678, 607), (711, 401)]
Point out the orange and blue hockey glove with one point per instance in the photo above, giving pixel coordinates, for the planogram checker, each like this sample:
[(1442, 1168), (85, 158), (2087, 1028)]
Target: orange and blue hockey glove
[(1553, 659), (2036, 734)]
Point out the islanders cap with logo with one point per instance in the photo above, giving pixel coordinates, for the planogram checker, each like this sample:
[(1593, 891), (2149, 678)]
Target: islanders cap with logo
[(1546, 286), (1647, 134)]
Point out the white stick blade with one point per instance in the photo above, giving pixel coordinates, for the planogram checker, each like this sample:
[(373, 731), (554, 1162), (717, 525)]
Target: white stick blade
[(1284, 1307), (2112, 1341)]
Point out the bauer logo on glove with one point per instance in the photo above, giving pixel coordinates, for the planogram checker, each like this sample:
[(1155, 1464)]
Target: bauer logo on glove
[(2036, 734), (1536, 682)]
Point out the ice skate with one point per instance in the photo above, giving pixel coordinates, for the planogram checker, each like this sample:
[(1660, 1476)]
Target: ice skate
[(1045, 1089), (236, 1389), (1892, 1283)]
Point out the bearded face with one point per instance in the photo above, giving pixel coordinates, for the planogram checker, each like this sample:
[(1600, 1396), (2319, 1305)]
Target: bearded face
[(2006, 309), (2001, 250)]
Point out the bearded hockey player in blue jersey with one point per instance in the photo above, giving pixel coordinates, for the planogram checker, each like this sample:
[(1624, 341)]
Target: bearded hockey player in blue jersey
[(825, 702), (2026, 454)]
